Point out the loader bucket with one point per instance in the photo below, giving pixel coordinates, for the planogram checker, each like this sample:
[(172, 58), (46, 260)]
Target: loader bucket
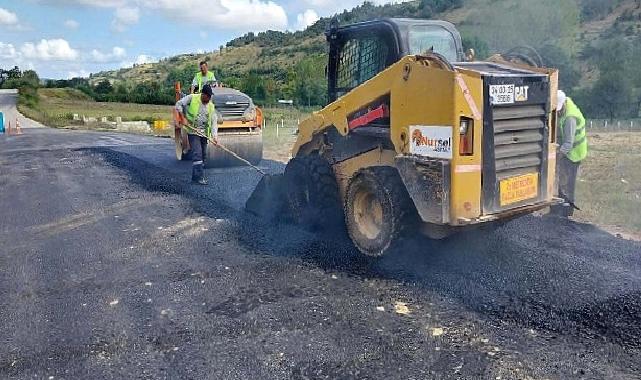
[(269, 198), (248, 145)]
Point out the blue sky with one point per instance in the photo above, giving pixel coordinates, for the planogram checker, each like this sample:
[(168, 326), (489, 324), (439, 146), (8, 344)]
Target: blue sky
[(67, 38)]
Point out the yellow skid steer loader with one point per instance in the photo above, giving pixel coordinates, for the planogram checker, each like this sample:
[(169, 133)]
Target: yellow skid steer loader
[(415, 138)]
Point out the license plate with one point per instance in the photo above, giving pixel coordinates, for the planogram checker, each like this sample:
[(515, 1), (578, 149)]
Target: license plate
[(518, 189), (502, 94)]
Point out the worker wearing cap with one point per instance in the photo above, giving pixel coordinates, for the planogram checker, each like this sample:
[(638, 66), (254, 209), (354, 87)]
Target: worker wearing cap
[(200, 112), (203, 77), (572, 137)]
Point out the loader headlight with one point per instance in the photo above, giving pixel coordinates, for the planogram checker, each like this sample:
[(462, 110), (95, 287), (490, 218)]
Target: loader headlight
[(249, 114), (465, 126), (466, 141)]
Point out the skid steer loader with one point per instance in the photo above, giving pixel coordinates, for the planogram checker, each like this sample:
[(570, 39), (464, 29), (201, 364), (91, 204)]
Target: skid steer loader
[(415, 138), (239, 129)]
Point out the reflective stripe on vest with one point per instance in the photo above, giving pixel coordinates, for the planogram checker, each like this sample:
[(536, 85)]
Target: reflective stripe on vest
[(194, 108), (580, 148), (199, 79)]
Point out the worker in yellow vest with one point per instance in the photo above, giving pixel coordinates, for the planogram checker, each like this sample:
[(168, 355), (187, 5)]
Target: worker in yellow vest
[(200, 112), (203, 77), (572, 138)]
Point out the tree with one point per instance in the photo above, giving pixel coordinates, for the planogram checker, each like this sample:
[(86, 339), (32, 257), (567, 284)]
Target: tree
[(569, 74), (308, 81), (507, 24), (104, 87), (612, 95), (27, 83)]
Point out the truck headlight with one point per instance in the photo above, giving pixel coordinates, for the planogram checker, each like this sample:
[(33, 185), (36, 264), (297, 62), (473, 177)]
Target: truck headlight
[(249, 114)]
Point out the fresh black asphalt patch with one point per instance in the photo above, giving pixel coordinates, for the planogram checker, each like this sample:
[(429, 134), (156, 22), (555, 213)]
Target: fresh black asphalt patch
[(115, 266)]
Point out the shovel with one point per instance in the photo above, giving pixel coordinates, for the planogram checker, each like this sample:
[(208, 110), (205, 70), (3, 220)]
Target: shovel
[(268, 198)]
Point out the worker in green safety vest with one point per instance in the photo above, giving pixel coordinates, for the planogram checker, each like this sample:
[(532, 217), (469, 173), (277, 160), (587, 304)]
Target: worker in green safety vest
[(203, 77), (200, 112), (572, 138)]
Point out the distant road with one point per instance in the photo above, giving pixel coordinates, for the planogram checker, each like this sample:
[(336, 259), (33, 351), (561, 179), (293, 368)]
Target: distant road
[(8, 101)]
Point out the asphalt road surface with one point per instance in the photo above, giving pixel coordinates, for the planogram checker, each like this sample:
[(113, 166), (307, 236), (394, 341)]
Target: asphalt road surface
[(114, 266)]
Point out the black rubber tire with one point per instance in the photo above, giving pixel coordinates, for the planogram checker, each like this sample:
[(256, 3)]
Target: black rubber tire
[(398, 213), (312, 193)]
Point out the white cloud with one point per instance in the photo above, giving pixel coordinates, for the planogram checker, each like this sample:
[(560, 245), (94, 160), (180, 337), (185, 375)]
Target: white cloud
[(71, 24), (8, 51), (236, 15), (239, 15), (305, 19), (49, 50), (8, 18), (125, 17), (116, 55)]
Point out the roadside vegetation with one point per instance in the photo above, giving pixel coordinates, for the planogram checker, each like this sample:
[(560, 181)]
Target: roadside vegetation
[(609, 188)]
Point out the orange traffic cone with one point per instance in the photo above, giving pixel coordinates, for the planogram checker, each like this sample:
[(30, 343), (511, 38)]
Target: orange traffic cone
[(9, 129), (18, 129)]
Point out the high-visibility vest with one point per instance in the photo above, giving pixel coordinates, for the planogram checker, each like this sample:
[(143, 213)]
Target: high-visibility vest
[(192, 113), (199, 79), (580, 149)]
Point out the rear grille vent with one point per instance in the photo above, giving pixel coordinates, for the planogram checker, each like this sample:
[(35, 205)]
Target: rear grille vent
[(518, 139)]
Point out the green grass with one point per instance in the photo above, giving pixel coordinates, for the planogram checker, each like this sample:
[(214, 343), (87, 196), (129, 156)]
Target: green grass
[(278, 141), (57, 107), (609, 188)]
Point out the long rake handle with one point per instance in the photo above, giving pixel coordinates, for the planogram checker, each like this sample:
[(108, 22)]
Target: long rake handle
[(219, 145)]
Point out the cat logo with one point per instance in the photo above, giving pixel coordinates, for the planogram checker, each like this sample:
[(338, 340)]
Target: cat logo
[(521, 93)]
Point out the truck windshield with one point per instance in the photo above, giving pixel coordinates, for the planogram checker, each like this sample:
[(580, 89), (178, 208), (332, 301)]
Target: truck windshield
[(423, 38)]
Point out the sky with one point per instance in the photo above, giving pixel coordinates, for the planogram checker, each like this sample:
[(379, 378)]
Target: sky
[(62, 39)]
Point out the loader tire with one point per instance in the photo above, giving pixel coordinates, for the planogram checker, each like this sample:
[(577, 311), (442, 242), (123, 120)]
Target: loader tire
[(312, 193), (378, 210)]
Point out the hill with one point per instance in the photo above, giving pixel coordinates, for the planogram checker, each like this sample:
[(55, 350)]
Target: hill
[(577, 36)]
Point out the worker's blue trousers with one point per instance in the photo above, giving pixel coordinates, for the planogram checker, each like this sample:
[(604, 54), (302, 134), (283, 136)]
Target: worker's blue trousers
[(198, 156)]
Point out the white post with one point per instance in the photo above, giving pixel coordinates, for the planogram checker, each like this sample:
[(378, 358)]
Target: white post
[(591, 124), (606, 124), (619, 125)]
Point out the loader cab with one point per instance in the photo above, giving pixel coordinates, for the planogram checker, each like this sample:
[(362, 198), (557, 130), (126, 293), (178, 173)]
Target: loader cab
[(360, 51)]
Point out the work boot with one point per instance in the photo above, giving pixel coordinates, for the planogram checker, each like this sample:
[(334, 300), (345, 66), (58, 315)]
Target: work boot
[(201, 181)]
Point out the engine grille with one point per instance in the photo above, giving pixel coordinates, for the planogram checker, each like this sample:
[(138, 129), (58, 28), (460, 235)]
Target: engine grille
[(519, 136), (232, 110)]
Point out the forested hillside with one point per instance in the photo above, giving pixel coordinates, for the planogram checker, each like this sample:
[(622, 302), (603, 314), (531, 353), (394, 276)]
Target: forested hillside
[(595, 44)]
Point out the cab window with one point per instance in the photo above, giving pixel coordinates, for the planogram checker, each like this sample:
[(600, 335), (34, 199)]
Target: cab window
[(425, 38), (359, 60)]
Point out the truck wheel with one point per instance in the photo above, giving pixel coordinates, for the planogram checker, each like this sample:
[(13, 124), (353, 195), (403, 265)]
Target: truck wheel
[(312, 192), (378, 210)]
